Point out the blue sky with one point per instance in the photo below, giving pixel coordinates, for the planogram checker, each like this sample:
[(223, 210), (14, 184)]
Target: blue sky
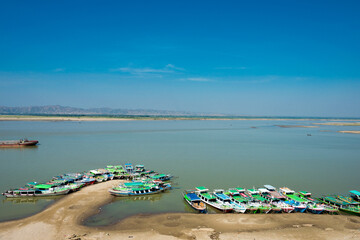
[(284, 58)]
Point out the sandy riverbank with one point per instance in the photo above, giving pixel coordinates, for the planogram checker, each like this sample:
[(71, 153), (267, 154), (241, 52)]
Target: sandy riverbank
[(54, 119), (63, 220), (144, 118), (340, 123), (354, 132)]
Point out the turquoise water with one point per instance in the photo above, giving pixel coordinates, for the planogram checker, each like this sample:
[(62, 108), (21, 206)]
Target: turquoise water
[(216, 154)]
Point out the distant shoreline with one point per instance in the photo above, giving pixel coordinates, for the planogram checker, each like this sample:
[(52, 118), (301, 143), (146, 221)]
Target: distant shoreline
[(349, 122)]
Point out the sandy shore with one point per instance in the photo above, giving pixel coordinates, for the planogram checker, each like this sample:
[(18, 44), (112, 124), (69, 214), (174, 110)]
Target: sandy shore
[(340, 123), (144, 118), (354, 132), (32, 118), (63, 220)]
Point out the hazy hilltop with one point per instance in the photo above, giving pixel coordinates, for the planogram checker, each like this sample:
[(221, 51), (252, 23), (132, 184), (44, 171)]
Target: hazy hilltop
[(64, 110)]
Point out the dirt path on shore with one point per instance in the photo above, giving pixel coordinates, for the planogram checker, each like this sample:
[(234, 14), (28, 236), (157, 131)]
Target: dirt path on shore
[(63, 220)]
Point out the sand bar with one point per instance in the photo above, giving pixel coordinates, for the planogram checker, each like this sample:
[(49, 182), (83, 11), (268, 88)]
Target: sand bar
[(131, 118), (339, 123), (63, 220), (354, 132)]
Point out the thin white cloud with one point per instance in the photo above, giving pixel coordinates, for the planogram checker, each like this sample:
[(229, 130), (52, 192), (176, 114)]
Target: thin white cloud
[(169, 68), (59, 69), (198, 79), (141, 70)]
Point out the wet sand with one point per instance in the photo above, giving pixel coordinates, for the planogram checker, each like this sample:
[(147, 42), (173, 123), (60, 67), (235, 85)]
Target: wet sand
[(63, 220)]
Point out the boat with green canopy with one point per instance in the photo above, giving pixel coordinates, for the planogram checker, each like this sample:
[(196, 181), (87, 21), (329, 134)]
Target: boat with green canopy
[(208, 198), (139, 188)]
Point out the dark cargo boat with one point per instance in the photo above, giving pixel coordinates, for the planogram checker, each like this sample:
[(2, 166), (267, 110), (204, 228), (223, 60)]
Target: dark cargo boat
[(18, 143)]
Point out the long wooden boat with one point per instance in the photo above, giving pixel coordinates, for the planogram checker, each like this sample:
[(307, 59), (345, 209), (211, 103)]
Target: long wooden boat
[(226, 200), (210, 199), (263, 205), (138, 189), (316, 206), (343, 206), (355, 195), (18, 143), (298, 203), (194, 201), (234, 193), (40, 190)]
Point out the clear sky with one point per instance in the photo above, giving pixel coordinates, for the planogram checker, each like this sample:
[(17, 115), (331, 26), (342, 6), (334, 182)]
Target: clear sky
[(284, 58)]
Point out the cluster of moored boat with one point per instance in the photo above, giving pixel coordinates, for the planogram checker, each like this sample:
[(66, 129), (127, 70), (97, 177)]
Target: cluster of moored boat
[(71, 182), (268, 199)]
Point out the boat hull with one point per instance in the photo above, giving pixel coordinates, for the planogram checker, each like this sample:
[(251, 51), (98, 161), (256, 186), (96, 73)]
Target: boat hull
[(18, 144), (64, 192), (129, 194), (200, 210)]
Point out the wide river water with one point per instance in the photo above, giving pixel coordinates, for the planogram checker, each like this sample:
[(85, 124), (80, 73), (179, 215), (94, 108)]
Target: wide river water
[(215, 154)]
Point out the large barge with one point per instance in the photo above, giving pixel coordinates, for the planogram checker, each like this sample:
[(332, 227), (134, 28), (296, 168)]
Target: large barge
[(18, 143)]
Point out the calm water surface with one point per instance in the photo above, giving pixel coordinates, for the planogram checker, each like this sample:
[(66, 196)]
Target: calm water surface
[(216, 154)]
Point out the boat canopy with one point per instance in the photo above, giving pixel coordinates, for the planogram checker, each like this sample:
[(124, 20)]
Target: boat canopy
[(355, 192), (95, 172), (305, 193), (133, 184), (270, 188), (208, 196), (44, 186), (202, 189), (287, 190), (222, 196), (263, 190), (232, 191), (253, 191), (193, 197), (141, 189), (240, 189)]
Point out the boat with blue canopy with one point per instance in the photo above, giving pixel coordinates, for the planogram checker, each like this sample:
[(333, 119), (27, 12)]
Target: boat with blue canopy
[(355, 195), (194, 201)]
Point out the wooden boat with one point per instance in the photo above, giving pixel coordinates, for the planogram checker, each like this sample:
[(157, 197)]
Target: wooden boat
[(194, 201), (226, 200), (234, 193), (210, 199), (138, 188), (129, 168), (161, 177), (265, 193), (18, 143), (263, 206), (100, 175), (355, 195), (40, 190), (298, 203), (343, 206), (273, 194), (315, 206)]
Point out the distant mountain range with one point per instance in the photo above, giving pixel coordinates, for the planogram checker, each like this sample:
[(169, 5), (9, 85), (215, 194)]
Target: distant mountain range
[(61, 110)]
